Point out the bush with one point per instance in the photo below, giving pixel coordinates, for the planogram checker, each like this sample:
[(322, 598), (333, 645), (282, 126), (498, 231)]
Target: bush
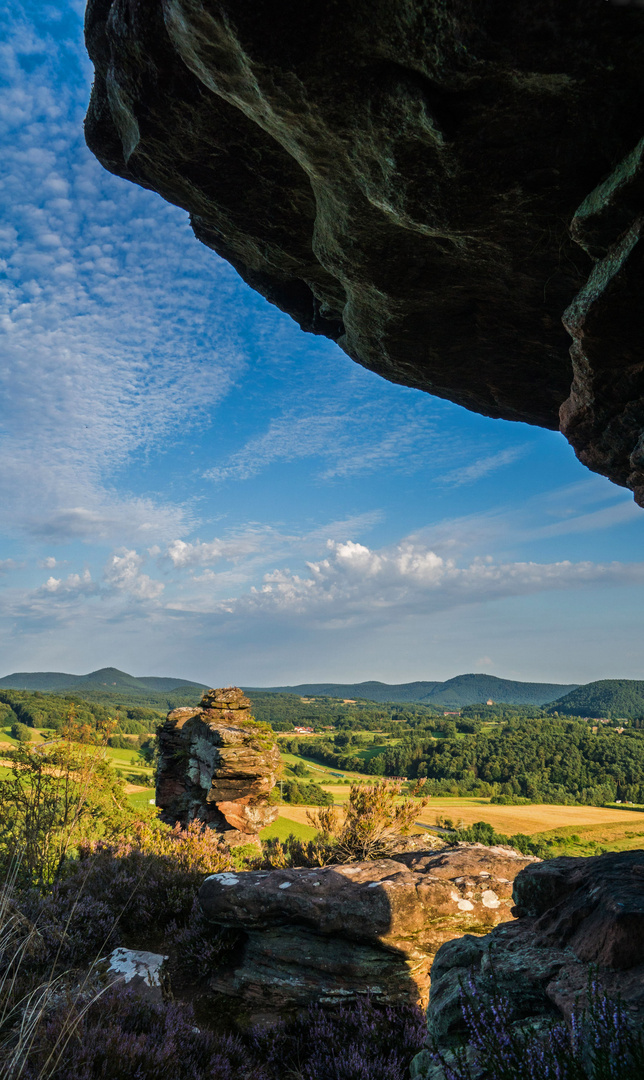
[(374, 822), (55, 796), (122, 1037), (601, 1043), (21, 732), (122, 892)]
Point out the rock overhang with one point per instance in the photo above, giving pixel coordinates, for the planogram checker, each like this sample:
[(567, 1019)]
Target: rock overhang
[(430, 186)]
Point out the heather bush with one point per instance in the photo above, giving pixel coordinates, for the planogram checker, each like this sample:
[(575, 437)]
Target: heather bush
[(129, 891), (360, 1041), (121, 1037), (602, 1042)]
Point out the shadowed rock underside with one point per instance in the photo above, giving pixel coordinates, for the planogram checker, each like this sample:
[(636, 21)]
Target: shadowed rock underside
[(430, 185)]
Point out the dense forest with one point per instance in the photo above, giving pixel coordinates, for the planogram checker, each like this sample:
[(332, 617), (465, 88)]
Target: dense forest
[(608, 697), (552, 760), (286, 711), (52, 711)]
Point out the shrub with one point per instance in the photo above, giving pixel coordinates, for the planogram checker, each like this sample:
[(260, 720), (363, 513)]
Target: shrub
[(360, 1041), (374, 822), (601, 1043), (55, 796), (128, 891), (122, 1037), (21, 732)]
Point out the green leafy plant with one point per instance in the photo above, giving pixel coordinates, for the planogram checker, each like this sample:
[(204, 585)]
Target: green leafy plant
[(58, 793)]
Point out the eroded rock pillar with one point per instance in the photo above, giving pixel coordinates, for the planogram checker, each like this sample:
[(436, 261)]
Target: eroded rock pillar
[(217, 765)]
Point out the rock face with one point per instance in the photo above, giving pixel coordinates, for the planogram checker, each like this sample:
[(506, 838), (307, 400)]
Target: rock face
[(139, 971), (576, 918), (429, 185), (328, 934), (216, 764)]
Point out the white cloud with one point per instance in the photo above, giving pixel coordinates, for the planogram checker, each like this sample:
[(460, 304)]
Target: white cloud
[(198, 553), (355, 582), (100, 279), (74, 585), (122, 571), (348, 439), (476, 470)]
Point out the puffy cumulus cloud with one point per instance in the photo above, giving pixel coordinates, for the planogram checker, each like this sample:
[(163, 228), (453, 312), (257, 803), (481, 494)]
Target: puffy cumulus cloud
[(122, 571), (256, 544), (355, 582), (184, 554), (74, 585)]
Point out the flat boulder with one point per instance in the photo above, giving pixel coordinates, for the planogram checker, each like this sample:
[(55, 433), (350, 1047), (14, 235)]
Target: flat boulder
[(330, 933)]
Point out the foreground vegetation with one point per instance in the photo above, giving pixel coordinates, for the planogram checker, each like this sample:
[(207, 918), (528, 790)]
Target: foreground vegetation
[(96, 872)]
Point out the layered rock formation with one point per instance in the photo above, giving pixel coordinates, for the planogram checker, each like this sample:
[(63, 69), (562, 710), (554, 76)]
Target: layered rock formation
[(328, 934), (432, 186), (216, 764), (577, 918)]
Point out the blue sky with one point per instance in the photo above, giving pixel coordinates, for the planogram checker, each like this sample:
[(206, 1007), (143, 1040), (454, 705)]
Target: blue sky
[(191, 486)]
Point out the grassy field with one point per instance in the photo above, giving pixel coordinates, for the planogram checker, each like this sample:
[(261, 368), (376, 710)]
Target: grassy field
[(121, 760), (283, 826), (140, 799), (324, 774)]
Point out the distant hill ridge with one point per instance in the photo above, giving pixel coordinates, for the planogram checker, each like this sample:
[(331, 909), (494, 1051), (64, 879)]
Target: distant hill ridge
[(107, 679), (455, 693), (606, 697)]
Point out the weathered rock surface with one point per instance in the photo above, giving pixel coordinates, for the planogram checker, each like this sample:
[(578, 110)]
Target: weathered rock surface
[(331, 933), (577, 918), (138, 970), (217, 765), (423, 183)]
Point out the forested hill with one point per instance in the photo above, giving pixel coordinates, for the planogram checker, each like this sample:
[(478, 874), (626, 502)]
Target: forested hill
[(613, 698), (454, 693), (107, 680)]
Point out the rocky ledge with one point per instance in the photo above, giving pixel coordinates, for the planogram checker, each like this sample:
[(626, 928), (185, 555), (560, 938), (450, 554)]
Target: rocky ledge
[(217, 765), (577, 919), (326, 935), (433, 186)]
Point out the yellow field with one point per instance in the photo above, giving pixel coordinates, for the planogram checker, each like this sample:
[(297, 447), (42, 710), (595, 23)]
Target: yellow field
[(531, 819), (535, 818)]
